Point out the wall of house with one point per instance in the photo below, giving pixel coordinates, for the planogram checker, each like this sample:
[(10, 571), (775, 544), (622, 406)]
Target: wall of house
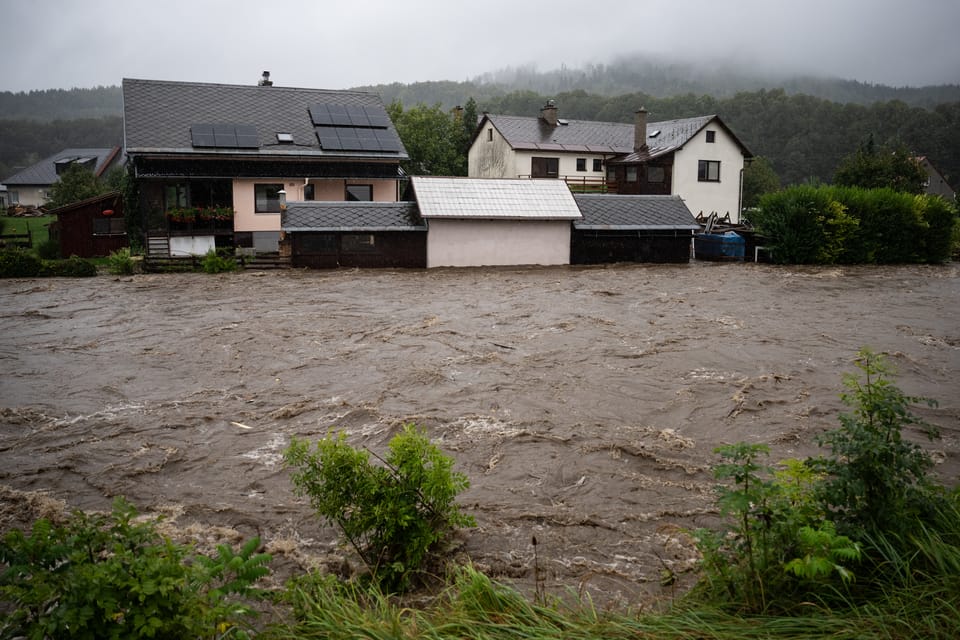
[(490, 158), (475, 243), (567, 165), (707, 197), (246, 219), (28, 196)]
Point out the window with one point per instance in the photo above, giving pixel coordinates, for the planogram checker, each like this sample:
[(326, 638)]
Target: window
[(267, 198), (631, 174), (490, 135), (711, 136), (359, 193), (545, 167), (175, 196), (357, 242), (14, 197), (581, 164), (597, 164), (109, 226), (655, 174), (708, 171)]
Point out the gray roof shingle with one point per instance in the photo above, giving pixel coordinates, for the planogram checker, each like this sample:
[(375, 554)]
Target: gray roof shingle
[(351, 216), (616, 212), (157, 116), (585, 136), (45, 171)]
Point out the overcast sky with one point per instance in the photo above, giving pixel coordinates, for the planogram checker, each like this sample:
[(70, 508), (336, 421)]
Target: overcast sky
[(336, 44)]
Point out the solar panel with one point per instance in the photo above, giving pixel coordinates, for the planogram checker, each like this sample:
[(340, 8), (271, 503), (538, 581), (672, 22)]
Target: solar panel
[(354, 128), (320, 115), (224, 136)]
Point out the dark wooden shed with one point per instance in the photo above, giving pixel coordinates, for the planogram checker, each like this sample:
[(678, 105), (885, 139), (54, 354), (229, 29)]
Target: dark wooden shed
[(327, 235), (90, 228), (631, 228)]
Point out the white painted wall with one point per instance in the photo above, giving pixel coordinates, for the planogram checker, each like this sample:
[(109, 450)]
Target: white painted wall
[(707, 197), (475, 243), (490, 158), (191, 245)]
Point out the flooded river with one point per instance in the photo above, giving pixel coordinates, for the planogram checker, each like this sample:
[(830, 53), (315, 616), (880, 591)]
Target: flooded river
[(583, 404)]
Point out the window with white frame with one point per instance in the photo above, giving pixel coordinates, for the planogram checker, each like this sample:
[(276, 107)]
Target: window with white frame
[(708, 171)]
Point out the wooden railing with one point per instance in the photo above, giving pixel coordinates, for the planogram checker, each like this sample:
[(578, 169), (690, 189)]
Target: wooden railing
[(584, 184)]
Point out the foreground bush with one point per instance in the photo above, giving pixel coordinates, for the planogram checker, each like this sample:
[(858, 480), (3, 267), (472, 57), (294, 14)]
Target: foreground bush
[(842, 529), (214, 262), (19, 263), (120, 262), (115, 577), (393, 514)]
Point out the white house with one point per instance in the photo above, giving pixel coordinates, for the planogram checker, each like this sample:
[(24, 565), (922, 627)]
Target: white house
[(699, 159)]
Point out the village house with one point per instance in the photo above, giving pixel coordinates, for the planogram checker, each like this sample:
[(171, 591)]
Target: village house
[(215, 162), (698, 159), (30, 187)]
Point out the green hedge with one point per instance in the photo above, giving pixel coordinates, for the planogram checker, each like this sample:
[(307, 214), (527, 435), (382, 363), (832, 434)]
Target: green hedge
[(21, 263), (828, 224)]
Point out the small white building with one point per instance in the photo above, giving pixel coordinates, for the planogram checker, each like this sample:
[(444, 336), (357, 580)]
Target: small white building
[(699, 159), (488, 222)]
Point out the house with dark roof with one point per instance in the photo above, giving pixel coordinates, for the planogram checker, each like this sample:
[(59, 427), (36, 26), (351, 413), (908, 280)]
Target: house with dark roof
[(324, 235), (214, 162), (699, 159), (30, 187), (631, 228), (936, 184)]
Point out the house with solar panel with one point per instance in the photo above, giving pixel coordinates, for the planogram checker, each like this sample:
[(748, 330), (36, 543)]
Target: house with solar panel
[(30, 187), (215, 163), (698, 159)]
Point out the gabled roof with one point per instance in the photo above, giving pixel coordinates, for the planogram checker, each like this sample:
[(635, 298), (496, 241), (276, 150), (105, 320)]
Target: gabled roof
[(585, 136), (351, 216), (622, 212), (45, 172), (113, 197), (158, 117), (494, 198)]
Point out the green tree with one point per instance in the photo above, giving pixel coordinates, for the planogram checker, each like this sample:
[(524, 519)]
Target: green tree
[(759, 178), (75, 184), (875, 167), (433, 138)]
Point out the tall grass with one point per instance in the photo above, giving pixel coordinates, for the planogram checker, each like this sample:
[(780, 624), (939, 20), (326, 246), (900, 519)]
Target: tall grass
[(473, 606)]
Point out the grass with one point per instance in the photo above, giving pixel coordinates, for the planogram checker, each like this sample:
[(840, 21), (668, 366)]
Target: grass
[(475, 607), (36, 226)]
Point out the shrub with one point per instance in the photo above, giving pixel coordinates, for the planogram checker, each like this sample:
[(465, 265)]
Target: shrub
[(19, 263), (876, 480), (72, 267), (48, 249), (804, 224), (114, 577), (119, 263), (393, 514), (214, 262)]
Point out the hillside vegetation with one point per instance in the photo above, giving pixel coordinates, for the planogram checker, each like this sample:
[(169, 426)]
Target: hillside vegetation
[(804, 126)]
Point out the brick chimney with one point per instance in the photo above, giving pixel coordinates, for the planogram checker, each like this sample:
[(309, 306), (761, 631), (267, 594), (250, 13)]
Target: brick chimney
[(640, 130), (548, 113)]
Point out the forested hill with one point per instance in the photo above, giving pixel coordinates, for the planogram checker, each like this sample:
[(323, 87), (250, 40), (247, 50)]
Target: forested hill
[(804, 135)]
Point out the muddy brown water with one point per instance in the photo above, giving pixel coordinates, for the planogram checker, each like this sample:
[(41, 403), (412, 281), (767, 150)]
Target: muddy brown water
[(583, 404)]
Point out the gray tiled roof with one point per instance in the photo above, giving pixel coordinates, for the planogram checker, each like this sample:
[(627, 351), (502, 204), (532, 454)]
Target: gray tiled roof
[(499, 198), (45, 171), (351, 216), (157, 116), (585, 136), (634, 212)]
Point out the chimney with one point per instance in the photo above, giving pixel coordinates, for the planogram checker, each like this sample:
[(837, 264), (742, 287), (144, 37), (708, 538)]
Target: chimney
[(640, 130), (265, 81), (548, 113)]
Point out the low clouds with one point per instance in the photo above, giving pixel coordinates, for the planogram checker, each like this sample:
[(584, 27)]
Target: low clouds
[(338, 45)]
